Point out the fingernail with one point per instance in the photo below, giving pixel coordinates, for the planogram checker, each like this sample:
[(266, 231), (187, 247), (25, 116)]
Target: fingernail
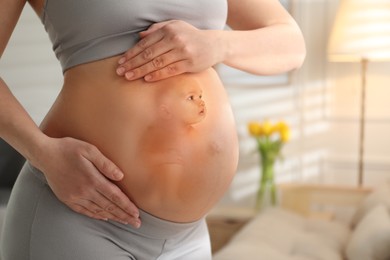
[(137, 224), (148, 77), (118, 175), (121, 60), (129, 75), (120, 71)]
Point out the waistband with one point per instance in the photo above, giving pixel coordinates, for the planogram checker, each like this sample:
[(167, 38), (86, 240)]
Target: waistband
[(151, 226), (154, 227)]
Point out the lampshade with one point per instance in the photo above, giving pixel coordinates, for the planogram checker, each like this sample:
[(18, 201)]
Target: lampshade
[(361, 30)]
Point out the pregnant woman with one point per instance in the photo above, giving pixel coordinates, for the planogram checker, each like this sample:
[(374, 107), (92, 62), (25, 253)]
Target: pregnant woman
[(101, 181)]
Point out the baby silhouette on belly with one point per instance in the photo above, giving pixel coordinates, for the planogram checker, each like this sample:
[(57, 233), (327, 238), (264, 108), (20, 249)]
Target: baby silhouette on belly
[(166, 141), (183, 150)]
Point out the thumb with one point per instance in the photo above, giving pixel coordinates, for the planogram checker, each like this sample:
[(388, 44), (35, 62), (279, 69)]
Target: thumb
[(154, 27), (143, 34)]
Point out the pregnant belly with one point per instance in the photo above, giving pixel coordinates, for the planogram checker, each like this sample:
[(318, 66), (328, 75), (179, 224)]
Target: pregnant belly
[(172, 170)]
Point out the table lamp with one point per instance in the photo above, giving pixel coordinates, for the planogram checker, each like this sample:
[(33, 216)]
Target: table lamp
[(361, 33)]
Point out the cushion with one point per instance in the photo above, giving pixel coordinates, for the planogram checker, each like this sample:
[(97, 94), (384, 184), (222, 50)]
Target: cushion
[(371, 238), (270, 230), (334, 234), (285, 216), (313, 246), (250, 251), (380, 196), (285, 232)]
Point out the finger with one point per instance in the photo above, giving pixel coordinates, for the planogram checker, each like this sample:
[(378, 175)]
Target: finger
[(96, 209), (168, 71), (101, 215), (108, 206), (143, 44), (157, 63), (150, 55), (154, 27), (119, 215), (109, 190), (123, 206), (84, 211), (103, 164), (107, 210)]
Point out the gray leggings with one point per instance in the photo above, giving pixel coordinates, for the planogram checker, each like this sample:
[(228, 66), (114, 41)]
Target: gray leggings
[(39, 227)]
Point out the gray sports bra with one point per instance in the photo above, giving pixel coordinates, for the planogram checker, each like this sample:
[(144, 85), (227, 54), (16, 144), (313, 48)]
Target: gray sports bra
[(88, 30)]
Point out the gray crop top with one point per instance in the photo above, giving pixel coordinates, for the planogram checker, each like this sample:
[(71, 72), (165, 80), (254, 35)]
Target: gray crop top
[(88, 30)]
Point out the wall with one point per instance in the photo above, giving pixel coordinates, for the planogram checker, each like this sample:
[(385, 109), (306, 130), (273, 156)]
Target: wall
[(301, 102), (343, 114), (35, 86), (320, 102)]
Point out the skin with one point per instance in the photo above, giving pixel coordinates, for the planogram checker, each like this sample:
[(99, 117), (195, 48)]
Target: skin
[(172, 170), (79, 172), (173, 47), (182, 104), (174, 134)]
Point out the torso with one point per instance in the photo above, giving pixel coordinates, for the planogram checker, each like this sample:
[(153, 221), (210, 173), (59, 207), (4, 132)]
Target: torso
[(180, 181), (179, 184)]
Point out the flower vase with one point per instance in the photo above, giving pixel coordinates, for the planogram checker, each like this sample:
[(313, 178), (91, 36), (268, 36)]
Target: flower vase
[(266, 194)]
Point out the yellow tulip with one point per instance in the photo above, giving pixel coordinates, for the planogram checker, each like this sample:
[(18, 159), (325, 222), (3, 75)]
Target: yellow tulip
[(266, 128), (275, 129), (282, 125), (254, 129), (285, 134)]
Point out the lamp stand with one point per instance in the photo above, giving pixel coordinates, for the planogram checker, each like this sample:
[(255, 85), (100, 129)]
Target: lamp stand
[(363, 63)]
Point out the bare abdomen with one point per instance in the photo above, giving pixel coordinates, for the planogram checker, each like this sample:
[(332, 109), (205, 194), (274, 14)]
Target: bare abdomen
[(113, 115)]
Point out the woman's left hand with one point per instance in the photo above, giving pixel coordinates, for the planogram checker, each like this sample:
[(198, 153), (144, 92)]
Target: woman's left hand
[(170, 48)]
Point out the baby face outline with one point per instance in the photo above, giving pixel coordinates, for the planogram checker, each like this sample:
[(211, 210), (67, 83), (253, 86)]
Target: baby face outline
[(187, 104), (193, 107)]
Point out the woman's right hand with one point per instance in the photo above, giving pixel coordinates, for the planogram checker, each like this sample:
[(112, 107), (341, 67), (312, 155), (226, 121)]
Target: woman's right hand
[(81, 177)]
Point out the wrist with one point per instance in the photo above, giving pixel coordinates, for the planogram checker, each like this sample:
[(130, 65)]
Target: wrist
[(36, 148), (220, 45), (29, 141)]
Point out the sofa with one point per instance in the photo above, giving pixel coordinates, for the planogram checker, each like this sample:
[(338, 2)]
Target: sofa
[(316, 222)]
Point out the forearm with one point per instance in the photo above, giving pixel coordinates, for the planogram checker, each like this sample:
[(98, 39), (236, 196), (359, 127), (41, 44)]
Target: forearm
[(270, 50), (16, 126), (67, 161)]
